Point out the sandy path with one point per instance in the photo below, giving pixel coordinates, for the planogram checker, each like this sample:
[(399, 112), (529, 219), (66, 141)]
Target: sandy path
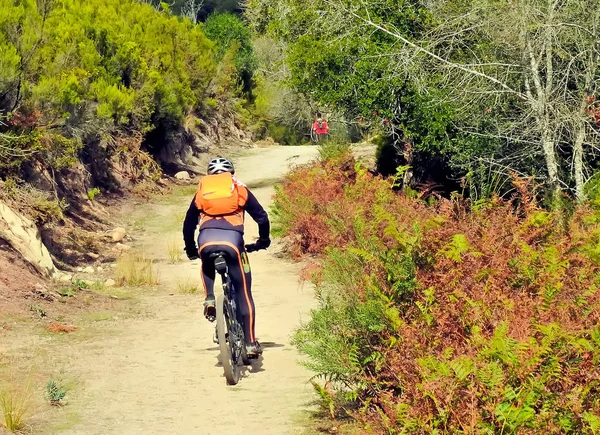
[(160, 375)]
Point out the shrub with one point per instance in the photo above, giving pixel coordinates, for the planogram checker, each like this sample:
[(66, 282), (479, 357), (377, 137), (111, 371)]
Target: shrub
[(331, 149), (227, 30), (93, 193), (135, 269), (174, 249), (109, 75), (187, 287), (445, 319), (55, 392), (42, 207), (15, 404)]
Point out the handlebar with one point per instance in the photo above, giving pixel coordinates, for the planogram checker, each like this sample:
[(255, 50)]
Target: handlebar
[(253, 247)]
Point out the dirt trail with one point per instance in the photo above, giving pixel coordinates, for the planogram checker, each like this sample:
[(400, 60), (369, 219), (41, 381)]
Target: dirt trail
[(160, 375)]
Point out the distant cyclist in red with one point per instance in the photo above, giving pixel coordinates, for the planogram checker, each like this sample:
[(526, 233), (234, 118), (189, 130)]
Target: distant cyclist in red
[(320, 128)]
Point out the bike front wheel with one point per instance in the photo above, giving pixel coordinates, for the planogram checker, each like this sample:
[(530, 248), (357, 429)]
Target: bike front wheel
[(227, 341)]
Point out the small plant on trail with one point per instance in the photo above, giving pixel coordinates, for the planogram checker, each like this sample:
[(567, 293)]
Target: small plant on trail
[(15, 405), (327, 398), (135, 269), (67, 291), (38, 310), (175, 250), (55, 392), (79, 284), (93, 193), (187, 287)]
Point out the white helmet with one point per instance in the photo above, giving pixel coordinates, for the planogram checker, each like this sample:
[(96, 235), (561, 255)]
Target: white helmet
[(218, 165)]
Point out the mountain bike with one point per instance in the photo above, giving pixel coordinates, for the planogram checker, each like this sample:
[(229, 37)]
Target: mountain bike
[(230, 324)]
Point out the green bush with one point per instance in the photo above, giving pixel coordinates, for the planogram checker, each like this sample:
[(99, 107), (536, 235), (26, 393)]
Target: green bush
[(76, 70), (227, 30)]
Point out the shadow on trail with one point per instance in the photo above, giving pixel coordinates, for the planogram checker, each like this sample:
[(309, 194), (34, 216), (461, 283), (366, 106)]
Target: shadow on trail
[(270, 344), (256, 365), (264, 344)]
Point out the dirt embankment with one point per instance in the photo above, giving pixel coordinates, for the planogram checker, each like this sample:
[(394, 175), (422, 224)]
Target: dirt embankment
[(73, 209)]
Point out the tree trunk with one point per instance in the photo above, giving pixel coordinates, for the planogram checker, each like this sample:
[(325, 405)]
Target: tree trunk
[(551, 164), (581, 119), (540, 103), (408, 157), (578, 162)]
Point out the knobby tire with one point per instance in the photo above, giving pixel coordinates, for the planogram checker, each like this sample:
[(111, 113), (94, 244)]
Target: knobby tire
[(230, 367)]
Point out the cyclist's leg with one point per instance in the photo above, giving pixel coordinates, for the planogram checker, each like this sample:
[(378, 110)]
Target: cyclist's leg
[(208, 273), (244, 300), (232, 243), (241, 277), (205, 238)]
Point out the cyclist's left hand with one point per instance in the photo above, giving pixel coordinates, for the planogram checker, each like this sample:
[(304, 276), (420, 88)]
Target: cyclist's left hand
[(192, 252)]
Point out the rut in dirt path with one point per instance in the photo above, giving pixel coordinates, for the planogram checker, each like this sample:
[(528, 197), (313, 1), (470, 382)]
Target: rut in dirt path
[(160, 375)]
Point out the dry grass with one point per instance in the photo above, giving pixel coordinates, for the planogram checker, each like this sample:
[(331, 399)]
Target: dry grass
[(15, 404), (179, 217), (187, 287), (174, 249), (135, 269)]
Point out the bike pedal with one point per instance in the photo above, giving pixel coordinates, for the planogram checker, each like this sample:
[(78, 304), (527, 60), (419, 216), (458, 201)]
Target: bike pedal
[(210, 313)]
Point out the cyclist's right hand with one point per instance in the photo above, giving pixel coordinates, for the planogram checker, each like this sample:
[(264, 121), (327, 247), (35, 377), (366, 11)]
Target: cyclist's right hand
[(191, 252), (258, 245)]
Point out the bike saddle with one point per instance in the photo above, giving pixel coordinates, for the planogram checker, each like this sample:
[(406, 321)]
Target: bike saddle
[(220, 263)]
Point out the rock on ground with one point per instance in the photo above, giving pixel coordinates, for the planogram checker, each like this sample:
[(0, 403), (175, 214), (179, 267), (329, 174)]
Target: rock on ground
[(183, 175), (23, 236), (118, 234), (63, 277), (122, 247)]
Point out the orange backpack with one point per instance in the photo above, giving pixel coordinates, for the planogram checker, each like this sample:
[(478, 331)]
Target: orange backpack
[(218, 195)]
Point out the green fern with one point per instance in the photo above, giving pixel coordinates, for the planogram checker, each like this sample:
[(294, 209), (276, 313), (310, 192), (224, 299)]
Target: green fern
[(491, 375), (463, 367), (502, 347), (458, 246), (327, 400), (593, 422)]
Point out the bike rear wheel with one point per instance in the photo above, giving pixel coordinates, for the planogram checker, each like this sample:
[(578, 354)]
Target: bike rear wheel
[(227, 346)]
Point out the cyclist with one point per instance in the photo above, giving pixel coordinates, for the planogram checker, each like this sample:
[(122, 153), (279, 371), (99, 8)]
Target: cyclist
[(320, 128), (219, 208)]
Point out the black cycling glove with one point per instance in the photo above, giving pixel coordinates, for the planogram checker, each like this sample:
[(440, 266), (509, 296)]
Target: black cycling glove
[(192, 252), (262, 243)]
